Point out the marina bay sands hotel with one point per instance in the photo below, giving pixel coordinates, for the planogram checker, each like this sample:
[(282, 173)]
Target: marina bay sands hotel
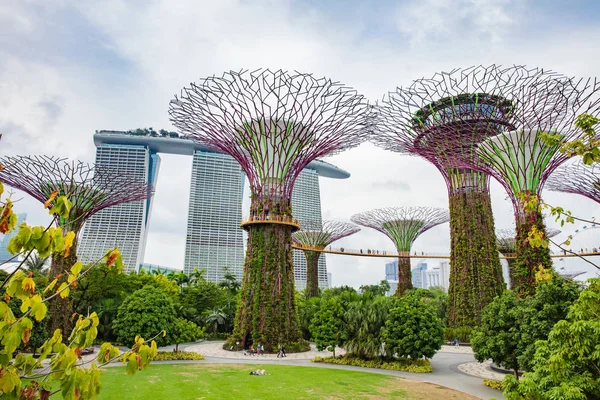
[(214, 238)]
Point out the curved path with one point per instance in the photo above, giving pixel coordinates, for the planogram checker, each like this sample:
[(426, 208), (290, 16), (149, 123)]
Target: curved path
[(454, 368)]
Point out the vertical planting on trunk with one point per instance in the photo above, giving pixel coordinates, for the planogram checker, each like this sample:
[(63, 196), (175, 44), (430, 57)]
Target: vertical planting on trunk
[(475, 269)]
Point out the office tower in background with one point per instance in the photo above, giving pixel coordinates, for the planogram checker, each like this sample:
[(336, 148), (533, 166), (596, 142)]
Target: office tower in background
[(214, 239), (123, 225)]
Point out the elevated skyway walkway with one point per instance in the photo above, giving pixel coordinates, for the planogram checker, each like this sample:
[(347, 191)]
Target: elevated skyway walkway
[(415, 254)]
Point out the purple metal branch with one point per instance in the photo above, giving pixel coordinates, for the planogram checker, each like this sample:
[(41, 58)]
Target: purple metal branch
[(89, 188), (272, 123), (320, 235), (577, 178), (402, 224)]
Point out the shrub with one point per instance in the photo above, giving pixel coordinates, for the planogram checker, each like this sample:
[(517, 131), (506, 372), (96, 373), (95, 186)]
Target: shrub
[(146, 312), (398, 364), (413, 329), (494, 384), (177, 355)]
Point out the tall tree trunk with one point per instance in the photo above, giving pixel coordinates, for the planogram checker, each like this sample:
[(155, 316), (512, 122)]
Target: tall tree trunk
[(312, 273), (475, 269), (60, 310), (522, 273), (267, 308), (404, 276)]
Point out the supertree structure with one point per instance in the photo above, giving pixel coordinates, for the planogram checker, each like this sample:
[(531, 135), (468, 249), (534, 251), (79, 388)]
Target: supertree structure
[(441, 119), (316, 235), (576, 178), (521, 159), (507, 246), (403, 225), (273, 124), (88, 188)]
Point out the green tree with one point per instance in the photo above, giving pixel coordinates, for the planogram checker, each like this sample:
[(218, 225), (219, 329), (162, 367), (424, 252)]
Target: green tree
[(215, 318), (364, 321), (435, 297), (307, 307), (107, 310), (566, 366), (195, 301), (184, 331), (326, 325), (376, 290), (231, 285), (413, 329), (145, 312), (36, 265), (499, 335), (549, 305)]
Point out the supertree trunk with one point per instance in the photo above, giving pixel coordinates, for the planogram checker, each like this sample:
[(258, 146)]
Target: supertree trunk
[(522, 272), (60, 310), (312, 273), (404, 276), (475, 269), (267, 310)]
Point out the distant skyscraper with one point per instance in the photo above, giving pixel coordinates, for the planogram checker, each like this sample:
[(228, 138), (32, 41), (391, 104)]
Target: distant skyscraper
[(329, 280), (214, 239), (306, 206), (419, 275), (445, 275), (123, 225), (391, 271), (4, 254)]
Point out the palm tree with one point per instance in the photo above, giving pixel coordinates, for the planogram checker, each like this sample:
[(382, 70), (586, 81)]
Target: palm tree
[(230, 284), (181, 279), (197, 275), (107, 311), (217, 317), (36, 264)]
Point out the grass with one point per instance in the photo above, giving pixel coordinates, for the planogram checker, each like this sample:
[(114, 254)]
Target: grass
[(230, 381)]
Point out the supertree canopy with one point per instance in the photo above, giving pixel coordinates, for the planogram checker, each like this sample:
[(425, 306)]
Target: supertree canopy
[(442, 119), (315, 235), (522, 160), (576, 178), (403, 225), (273, 124), (88, 188)]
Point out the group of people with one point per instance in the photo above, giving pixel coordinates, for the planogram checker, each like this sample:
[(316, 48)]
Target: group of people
[(260, 349)]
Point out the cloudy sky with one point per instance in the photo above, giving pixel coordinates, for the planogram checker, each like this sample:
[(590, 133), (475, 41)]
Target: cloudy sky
[(68, 68)]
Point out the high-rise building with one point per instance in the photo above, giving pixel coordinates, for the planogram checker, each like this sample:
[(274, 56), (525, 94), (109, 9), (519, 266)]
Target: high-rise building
[(445, 275), (306, 206), (123, 225), (214, 239), (419, 275), (4, 254), (391, 271), (329, 280)]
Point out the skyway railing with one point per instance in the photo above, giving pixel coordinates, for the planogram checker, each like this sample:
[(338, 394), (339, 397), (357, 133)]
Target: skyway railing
[(414, 254)]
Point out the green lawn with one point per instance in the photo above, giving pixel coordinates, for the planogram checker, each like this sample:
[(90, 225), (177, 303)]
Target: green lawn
[(226, 381)]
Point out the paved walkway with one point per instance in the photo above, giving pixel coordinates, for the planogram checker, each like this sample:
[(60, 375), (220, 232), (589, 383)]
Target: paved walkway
[(215, 349)]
